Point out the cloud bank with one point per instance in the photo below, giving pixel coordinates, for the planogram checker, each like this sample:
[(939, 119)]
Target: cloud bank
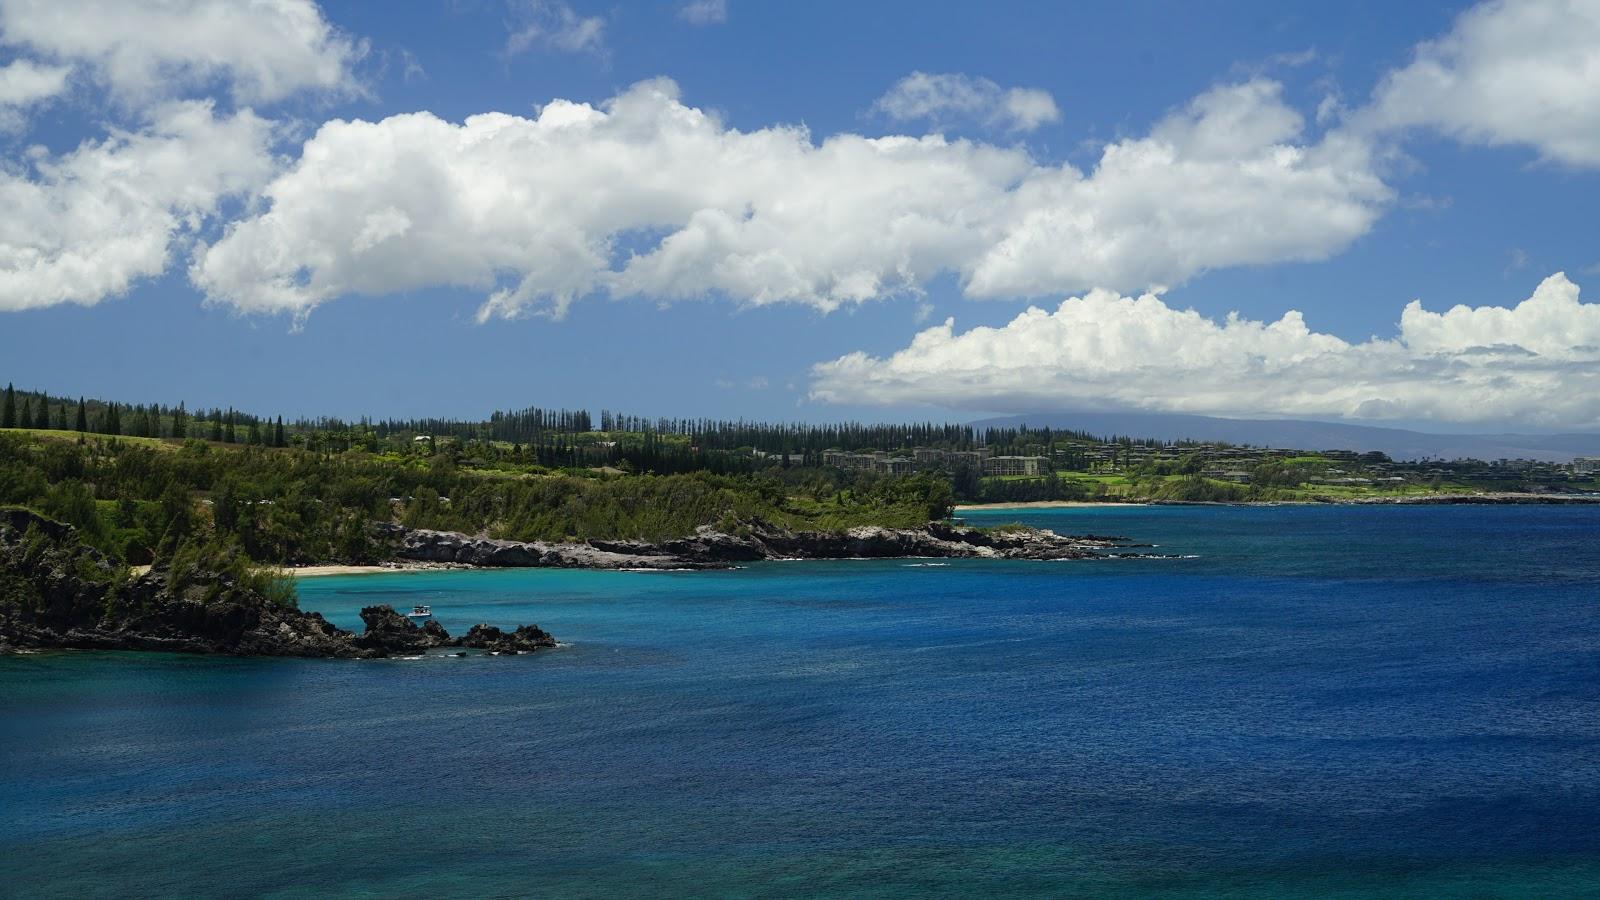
[(647, 196), (1536, 363)]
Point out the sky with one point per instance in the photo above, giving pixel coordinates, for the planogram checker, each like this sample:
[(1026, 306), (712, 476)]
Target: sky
[(1368, 212)]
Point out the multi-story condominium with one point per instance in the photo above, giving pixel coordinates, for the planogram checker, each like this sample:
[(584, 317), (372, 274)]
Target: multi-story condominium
[(1015, 465), (973, 458), (876, 461)]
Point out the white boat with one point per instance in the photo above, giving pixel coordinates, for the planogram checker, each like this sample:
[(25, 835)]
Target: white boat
[(420, 612)]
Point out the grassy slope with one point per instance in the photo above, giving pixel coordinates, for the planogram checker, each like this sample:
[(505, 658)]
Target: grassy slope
[(51, 434)]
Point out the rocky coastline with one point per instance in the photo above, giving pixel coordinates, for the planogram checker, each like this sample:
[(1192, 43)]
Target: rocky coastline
[(710, 548), (58, 593), (1497, 498)]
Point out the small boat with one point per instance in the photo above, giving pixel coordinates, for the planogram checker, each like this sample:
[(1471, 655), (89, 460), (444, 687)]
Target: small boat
[(420, 612)]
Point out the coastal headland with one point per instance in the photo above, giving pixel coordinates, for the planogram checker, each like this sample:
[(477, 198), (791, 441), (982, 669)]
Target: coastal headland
[(56, 592)]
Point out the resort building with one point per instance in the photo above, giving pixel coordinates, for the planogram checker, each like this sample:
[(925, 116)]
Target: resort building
[(875, 461), (1586, 465), (1015, 465)]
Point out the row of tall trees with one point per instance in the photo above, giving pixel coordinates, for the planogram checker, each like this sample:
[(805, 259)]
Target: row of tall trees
[(553, 437), (32, 409)]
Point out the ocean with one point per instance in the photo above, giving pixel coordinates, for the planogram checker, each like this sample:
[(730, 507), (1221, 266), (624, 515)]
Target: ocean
[(1305, 702)]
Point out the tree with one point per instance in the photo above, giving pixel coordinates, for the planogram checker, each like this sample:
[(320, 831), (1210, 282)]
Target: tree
[(277, 434), (216, 425), (41, 416), (82, 423), (8, 412), (228, 434), (180, 422)]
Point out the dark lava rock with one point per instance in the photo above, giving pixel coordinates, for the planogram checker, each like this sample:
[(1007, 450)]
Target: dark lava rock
[(709, 548), (525, 639), (389, 632), (57, 592), (435, 634)]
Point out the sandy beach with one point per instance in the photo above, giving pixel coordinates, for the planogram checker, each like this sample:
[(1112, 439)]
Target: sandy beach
[(318, 571)]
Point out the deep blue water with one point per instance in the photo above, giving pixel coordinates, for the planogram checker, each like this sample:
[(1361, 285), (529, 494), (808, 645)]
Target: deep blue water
[(1328, 701)]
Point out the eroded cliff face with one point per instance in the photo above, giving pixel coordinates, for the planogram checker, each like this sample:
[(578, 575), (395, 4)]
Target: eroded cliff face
[(56, 592), (710, 549)]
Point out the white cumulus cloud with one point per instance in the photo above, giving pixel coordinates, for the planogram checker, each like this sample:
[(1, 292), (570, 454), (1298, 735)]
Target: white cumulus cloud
[(646, 196), (1508, 72), (1536, 363), (1228, 180), (144, 50), (86, 224), (947, 99)]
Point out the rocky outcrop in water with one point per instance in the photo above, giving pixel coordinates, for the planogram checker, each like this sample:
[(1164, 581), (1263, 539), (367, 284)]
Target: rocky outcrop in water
[(525, 639), (709, 548), (393, 634), (56, 592)]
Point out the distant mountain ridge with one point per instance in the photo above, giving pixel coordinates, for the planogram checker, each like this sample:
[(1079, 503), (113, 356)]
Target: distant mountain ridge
[(1300, 434)]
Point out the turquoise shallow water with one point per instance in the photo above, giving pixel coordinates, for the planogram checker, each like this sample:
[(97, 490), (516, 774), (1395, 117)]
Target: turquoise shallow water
[(1321, 702)]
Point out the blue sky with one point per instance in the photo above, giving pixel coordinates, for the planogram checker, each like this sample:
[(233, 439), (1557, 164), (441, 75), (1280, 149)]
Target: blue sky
[(1404, 161)]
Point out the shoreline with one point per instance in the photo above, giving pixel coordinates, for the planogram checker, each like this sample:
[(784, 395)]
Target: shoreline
[(1495, 499), (1048, 504)]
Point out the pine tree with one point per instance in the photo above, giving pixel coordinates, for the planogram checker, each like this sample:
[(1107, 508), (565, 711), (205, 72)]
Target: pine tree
[(277, 434), (8, 411), (216, 425), (228, 433), (255, 435), (82, 423), (180, 422), (25, 417), (41, 416)]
